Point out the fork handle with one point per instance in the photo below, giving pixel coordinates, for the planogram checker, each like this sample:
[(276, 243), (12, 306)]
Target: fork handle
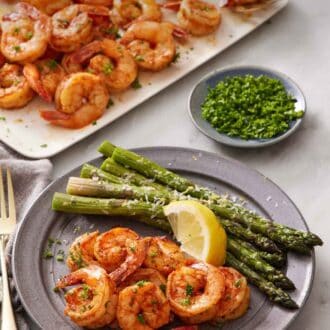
[(8, 319)]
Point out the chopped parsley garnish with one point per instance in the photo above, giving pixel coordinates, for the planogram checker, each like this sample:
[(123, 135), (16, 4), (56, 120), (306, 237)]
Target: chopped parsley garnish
[(29, 35), (113, 31), (85, 292), (141, 283), (139, 58), (110, 103), (136, 84), (185, 302), (16, 30), (44, 145), (163, 288), (48, 254), (237, 284), (77, 260), (56, 289), (107, 68), (60, 256), (189, 290), (141, 319), (132, 248), (50, 242), (3, 118), (176, 57), (94, 123), (52, 64), (250, 107), (153, 254), (17, 49)]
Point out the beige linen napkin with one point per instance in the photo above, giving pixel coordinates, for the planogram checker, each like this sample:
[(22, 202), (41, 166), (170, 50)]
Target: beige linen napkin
[(30, 177)]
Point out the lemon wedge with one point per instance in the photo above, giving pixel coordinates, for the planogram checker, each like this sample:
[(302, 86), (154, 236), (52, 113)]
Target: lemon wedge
[(198, 230)]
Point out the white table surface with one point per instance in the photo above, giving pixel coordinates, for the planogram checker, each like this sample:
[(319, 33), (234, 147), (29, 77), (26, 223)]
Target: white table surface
[(296, 42)]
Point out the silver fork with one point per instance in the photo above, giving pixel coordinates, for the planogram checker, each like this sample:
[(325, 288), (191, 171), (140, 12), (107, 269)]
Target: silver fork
[(7, 226)]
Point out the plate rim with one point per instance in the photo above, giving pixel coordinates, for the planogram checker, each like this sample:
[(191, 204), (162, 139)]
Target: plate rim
[(153, 148), (237, 142)]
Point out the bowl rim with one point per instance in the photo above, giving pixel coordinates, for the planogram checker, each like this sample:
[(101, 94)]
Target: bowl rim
[(238, 142)]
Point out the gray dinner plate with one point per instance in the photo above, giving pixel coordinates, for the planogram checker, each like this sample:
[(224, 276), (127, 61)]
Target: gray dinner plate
[(200, 92), (35, 277)]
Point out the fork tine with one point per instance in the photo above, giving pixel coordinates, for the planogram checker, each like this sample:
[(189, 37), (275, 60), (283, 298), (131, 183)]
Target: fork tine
[(11, 197), (2, 198)]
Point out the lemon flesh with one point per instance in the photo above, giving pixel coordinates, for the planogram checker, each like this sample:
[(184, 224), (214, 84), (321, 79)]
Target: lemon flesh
[(198, 230)]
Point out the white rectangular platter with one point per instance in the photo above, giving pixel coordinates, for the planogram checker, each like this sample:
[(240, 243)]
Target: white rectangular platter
[(31, 136)]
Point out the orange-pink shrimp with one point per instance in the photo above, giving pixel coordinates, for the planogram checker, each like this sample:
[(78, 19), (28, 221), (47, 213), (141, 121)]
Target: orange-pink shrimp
[(49, 7), (163, 255), (107, 3), (25, 34), (235, 292), (81, 252), (142, 306), (107, 59), (93, 302), (126, 12), (44, 76), (73, 26), (121, 252), (151, 44), (81, 98), (196, 16), (15, 91), (193, 291)]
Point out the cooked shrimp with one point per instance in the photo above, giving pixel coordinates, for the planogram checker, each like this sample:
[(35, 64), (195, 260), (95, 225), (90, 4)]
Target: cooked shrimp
[(120, 251), (49, 7), (195, 289), (25, 34), (93, 303), (126, 12), (241, 309), (163, 255), (235, 291), (196, 16), (44, 76), (73, 26), (142, 306), (248, 6), (107, 3), (107, 59), (151, 44), (145, 275), (81, 98), (81, 252), (15, 91)]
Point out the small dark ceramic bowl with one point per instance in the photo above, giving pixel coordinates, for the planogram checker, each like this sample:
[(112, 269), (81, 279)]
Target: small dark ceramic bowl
[(199, 93)]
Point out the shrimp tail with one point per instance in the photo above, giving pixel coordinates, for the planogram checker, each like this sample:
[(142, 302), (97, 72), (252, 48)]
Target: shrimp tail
[(180, 33), (172, 5), (68, 280), (86, 52), (134, 260), (53, 115), (32, 75)]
